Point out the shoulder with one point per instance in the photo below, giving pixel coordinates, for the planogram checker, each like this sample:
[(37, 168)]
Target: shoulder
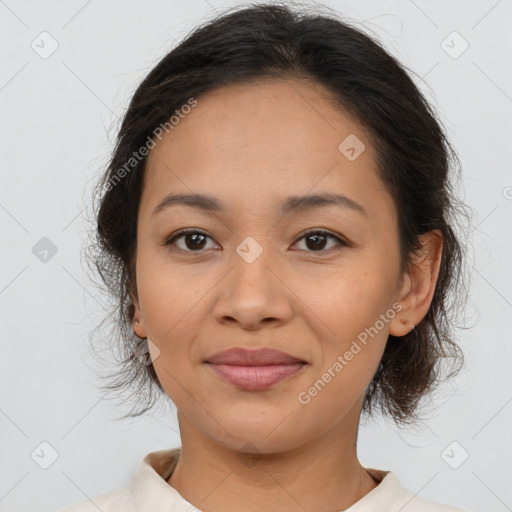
[(408, 501), (417, 504), (108, 502), (146, 490), (391, 496)]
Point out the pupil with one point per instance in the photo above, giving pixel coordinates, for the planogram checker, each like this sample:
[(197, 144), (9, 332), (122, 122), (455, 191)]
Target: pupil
[(316, 245), (195, 237)]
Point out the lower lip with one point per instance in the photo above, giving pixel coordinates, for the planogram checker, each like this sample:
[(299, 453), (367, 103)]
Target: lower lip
[(256, 378)]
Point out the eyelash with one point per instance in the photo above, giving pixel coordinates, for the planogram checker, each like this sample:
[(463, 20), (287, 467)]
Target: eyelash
[(342, 243)]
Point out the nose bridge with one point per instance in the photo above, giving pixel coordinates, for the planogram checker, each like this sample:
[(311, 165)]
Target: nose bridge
[(253, 261), (252, 291)]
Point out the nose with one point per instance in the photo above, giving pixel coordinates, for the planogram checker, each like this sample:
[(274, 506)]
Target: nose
[(254, 293)]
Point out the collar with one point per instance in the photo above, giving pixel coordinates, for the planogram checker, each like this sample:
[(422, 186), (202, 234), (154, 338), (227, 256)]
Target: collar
[(148, 486)]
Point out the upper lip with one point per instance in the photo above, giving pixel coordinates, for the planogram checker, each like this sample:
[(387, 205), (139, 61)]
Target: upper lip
[(254, 357)]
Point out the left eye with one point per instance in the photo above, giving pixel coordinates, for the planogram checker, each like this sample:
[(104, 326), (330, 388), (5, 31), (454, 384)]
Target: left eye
[(195, 240), (317, 240)]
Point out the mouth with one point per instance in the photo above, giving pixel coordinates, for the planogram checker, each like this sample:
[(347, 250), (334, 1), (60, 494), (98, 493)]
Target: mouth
[(254, 370)]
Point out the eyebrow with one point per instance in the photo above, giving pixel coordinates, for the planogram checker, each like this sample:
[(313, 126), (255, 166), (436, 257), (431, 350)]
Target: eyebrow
[(292, 204)]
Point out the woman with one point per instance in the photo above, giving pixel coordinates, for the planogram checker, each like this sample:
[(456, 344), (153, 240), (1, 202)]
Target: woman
[(276, 224)]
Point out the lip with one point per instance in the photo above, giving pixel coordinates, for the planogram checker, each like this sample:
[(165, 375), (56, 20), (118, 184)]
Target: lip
[(255, 357), (254, 370)]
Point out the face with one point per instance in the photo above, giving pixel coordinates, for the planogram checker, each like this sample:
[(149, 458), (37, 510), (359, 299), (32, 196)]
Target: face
[(316, 280)]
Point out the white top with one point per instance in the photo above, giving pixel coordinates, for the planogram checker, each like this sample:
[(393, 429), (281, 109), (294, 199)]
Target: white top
[(148, 491)]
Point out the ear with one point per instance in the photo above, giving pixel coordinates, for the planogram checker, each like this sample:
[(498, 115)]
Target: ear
[(137, 321), (418, 285)]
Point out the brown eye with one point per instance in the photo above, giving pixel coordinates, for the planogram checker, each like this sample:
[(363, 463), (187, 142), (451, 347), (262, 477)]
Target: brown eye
[(192, 240), (195, 241), (316, 241)]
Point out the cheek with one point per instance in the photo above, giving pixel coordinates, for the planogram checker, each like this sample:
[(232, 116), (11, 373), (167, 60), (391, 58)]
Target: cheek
[(172, 312), (165, 293), (355, 312), (349, 297)]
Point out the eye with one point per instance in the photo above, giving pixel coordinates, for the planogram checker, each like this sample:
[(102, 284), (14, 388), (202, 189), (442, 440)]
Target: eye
[(317, 240), (193, 239)]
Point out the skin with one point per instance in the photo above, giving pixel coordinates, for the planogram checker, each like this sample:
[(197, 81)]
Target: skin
[(251, 146)]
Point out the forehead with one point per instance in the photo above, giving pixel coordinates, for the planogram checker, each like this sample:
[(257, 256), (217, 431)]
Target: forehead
[(262, 141)]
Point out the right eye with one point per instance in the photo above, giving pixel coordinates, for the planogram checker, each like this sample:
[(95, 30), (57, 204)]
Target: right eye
[(194, 240)]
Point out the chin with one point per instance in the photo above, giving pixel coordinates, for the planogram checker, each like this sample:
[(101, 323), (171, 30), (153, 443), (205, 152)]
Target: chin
[(258, 437)]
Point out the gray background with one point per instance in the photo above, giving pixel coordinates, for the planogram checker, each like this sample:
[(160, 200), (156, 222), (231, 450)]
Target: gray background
[(59, 117)]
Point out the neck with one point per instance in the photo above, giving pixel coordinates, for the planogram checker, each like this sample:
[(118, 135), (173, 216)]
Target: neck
[(323, 474)]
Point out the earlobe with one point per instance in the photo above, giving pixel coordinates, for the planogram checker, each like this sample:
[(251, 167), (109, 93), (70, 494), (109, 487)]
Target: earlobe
[(137, 323), (401, 324), (138, 327), (419, 284)]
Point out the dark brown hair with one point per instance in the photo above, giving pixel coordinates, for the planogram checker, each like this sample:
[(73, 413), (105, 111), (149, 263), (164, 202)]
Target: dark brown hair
[(261, 41)]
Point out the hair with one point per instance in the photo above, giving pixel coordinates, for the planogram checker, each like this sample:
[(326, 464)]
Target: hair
[(414, 160)]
